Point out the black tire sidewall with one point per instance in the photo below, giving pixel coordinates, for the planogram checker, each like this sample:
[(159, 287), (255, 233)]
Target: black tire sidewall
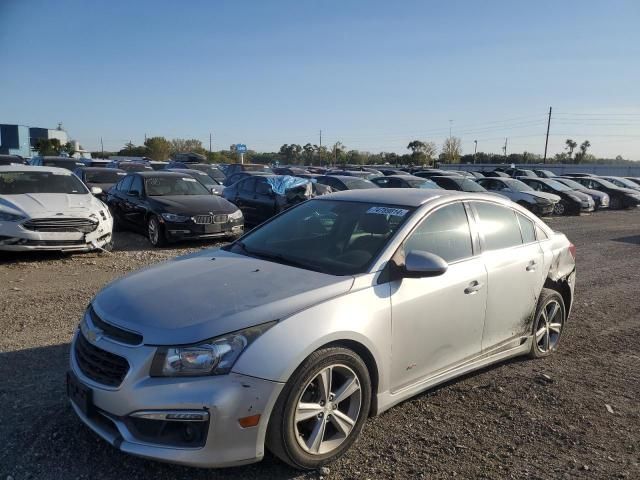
[(285, 430), (546, 295), (160, 241)]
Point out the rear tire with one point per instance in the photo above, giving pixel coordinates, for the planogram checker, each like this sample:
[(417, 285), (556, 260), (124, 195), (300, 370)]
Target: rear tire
[(548, 324), (560, 208), (321, 410)]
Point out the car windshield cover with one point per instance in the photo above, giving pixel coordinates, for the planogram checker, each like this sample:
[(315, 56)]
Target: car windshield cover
[(169, 186), (19, 183), (518, 186), (105, 175), (328, 236), (355, 183)]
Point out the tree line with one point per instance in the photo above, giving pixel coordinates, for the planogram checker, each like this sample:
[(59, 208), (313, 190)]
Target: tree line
[(420, 152)]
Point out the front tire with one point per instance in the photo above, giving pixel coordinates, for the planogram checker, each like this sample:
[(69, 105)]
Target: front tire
[(155, 232), (560, 208), (548, 324), (321, 410), (615, 203)]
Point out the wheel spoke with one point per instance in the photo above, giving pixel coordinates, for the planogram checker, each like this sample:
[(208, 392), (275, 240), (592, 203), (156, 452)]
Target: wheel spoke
[(547, 340), (305, 411), (324, 384), (343, 423), (540, 333), (348, 388), (555, 327), (317, 435), (554, 311)]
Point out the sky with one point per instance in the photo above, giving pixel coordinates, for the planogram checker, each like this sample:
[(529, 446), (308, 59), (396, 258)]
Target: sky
[(371, 74)]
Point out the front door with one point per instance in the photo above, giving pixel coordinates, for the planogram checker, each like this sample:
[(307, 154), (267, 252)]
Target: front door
[(437, 322)]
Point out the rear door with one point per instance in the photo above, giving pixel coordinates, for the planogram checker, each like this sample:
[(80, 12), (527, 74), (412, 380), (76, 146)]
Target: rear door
[(437, 322), (264, 200), (245, 191), (515, 268)]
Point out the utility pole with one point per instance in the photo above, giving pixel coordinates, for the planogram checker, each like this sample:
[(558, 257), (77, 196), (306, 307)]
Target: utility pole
[(321, 138), (209, 142), (102, 147), (475, 150), (546, 142), (505, 149)]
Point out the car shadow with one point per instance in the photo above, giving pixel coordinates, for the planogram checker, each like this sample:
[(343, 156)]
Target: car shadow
[(632, 239), (134, 242), (43, 435)]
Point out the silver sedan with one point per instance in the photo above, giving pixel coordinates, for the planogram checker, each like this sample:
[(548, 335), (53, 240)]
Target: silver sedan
[(332, 311)]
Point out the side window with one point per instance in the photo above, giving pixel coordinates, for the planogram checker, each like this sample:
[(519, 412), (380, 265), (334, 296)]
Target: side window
[(540, 235), (382, 182), (249, 185), (527, 228), (125, 184), (262, 187), (444, 232), (499, 225), (136, 184)]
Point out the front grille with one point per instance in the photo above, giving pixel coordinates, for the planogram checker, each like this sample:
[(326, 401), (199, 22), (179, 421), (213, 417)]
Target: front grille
[(208, 219), (113, 332), (83, 225), (99, 365)]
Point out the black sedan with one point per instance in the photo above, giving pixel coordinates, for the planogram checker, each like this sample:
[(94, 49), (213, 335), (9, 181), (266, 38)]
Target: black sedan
[(572, 201), (205, 180), (601, 199), (623, 182), (345, 182), (260, 197), (12, 160), (170, 206), (102, 178), (461, 184), (236, 177), (618, 197), (403, 181)]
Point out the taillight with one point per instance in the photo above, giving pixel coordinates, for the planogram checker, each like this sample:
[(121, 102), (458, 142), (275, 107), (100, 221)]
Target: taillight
[(572, 250)]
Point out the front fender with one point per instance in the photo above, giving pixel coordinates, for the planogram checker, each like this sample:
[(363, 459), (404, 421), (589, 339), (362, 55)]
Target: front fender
[(361, 315)]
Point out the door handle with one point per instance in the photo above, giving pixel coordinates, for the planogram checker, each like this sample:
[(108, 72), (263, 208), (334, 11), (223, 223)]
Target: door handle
[(473, 287), (532, 266)]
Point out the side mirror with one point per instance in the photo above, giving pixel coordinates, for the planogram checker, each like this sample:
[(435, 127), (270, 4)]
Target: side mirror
[(96, 190), (419, 264)]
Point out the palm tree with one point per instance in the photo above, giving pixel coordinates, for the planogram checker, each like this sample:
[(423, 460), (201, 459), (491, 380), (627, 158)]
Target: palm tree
[(571, 145)]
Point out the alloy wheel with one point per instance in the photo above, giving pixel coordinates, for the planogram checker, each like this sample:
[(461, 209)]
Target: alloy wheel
[(558, 208), (549, 326), (154, 231), (327, 410)]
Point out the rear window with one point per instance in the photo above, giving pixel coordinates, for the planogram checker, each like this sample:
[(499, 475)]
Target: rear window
[(527, 228), (355, 183), (499, 226)]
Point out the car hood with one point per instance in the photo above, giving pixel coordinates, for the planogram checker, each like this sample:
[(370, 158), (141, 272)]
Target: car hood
[(213, 292), (47, 204), (191, 204), (545, 195)]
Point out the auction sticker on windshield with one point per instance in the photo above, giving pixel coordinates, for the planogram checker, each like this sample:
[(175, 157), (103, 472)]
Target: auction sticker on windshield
[(396, 212)]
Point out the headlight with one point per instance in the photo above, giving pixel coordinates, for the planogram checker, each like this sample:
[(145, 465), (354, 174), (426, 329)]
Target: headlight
[(235, 215), (10, 217), (174, 217), (213, 357)]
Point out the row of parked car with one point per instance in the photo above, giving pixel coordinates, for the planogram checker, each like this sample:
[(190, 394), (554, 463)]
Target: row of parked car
[(187, 198)]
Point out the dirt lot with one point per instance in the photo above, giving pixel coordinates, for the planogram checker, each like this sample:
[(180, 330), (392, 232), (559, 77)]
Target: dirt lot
[(575, 415)]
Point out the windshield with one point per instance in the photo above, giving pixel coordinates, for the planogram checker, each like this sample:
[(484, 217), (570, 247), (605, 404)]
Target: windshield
[(210, 170), (422, 183), (570, 183), (203, 178), (356, 183), (329, 236), (557, 185), (168, 186), (471, 186), (105, 175), (623, 182), (19, 183), (603, 182), (134, 167), (518, 186)]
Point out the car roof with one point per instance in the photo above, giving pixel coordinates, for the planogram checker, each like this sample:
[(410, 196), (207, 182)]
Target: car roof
[(410, 197), (99, 169), (345, 177), (406, 177), (157, 173), (30, 168)]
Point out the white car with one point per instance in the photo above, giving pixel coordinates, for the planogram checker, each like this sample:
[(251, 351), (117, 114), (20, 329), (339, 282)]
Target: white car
[(47, 208)]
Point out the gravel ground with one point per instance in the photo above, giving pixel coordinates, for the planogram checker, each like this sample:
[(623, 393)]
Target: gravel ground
[(575, 415)]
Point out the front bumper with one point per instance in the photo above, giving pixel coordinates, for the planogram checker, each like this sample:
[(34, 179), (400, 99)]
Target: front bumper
[(226, 398), (191, 231), (15, 238), (542, 208)]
